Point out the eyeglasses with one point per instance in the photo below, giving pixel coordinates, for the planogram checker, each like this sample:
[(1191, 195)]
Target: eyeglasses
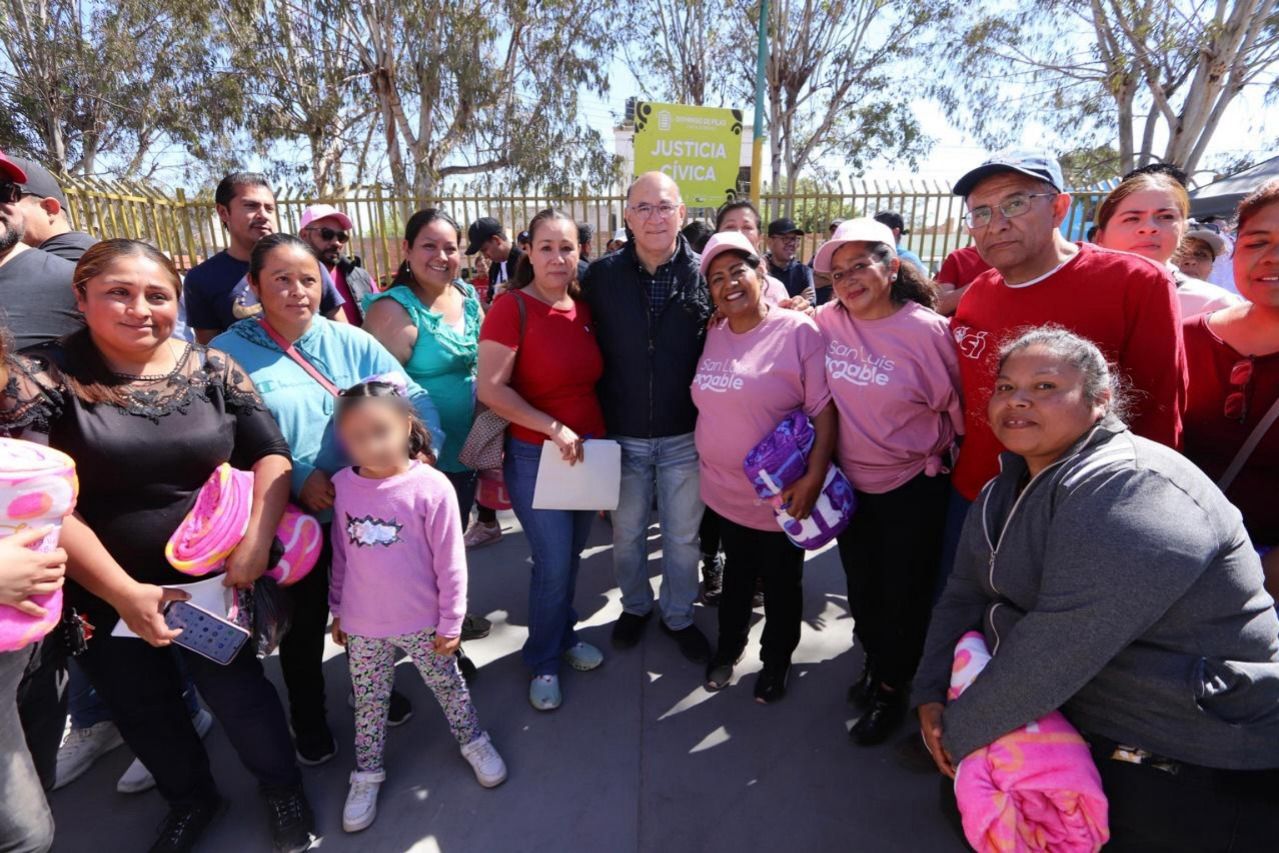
[(331, 234), (1236, 406), (10, 193), (1011, 208), (787, 239), (647, 211)]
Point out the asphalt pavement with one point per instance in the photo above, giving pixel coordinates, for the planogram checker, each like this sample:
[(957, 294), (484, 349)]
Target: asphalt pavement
[(639, 758)]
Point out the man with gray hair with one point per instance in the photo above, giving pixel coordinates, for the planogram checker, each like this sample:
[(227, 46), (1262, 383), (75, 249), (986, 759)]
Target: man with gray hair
[(650, 307)]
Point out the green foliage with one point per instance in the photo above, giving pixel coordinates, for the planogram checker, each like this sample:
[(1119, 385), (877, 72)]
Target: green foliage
[(116, 85), (1090, 167)]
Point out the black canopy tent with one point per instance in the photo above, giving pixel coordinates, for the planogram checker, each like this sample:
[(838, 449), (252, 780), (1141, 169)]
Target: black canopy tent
[(1220, 198)]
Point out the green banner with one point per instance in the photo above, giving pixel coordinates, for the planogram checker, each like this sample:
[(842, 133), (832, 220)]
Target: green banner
[(699, 147)]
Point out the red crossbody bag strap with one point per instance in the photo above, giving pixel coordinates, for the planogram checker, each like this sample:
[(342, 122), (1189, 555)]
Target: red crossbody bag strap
[(292, 352)]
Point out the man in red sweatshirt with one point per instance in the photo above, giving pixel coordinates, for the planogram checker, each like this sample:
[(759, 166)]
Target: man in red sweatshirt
[(1124, 303)]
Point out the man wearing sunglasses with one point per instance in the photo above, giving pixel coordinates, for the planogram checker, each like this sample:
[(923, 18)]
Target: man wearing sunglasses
[(36, 300), (784, 237), (44, 207), (327, 231), (1124, 303)]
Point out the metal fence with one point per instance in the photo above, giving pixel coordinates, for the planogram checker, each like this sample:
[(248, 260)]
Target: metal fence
[(186, 226)]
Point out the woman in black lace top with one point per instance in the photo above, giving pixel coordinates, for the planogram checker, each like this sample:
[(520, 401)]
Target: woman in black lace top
[(147, 419)]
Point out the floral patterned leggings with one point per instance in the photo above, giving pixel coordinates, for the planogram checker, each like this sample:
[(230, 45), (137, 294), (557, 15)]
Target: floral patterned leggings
[(372, 662)]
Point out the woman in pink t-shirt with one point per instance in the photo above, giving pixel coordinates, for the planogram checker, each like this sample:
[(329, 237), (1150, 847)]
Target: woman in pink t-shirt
[(894, 376), (760, 363)]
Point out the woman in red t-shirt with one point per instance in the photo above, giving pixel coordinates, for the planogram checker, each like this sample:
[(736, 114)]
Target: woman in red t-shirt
[(1233, 355), (538, 367)]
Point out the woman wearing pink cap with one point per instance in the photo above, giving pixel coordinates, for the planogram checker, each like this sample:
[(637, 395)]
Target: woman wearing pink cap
[(894, 377), (760, 363)]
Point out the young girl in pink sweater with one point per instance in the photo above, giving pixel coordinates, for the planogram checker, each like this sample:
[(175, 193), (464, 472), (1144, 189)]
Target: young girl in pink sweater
[(399, 582), (893, 373)]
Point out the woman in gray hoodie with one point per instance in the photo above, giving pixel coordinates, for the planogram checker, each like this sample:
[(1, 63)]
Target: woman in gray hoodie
[(1114, 582)]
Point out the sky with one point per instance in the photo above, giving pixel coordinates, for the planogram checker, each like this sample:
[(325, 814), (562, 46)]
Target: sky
[(1243, 130)]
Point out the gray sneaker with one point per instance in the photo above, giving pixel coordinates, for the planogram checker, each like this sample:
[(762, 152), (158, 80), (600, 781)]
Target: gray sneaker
[(81, 748)]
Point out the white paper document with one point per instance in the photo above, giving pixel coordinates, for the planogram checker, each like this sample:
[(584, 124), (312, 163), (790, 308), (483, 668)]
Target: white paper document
[(593, 483), (208, 593)]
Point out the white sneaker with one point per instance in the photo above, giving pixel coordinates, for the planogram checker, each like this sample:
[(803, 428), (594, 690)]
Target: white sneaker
[(480, 534), (361, 800), (490, 769), (138, 778), (81, 748)]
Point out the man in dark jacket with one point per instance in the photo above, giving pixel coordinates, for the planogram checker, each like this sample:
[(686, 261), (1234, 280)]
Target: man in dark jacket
[(327, 230), (650, 306)]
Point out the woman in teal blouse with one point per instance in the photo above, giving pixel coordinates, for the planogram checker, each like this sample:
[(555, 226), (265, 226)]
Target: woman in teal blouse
[(430, 321)]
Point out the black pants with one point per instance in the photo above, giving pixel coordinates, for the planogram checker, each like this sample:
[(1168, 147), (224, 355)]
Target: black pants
[(751, 554), (890, 551), (42, 705), (1195, 811), (709, 534), (142, 687), (302, 649)]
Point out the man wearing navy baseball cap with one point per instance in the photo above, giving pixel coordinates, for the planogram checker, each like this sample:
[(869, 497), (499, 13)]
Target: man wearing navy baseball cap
[(36, 300), (1122, 302)]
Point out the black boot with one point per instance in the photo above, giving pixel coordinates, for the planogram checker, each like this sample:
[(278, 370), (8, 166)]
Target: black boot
[(183, 826), (292, 823), (885, 713)]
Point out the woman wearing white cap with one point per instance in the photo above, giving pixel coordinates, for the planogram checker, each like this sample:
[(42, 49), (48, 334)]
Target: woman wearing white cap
[(1199, 250), (760, 364), (894, 377), (1146, 215)]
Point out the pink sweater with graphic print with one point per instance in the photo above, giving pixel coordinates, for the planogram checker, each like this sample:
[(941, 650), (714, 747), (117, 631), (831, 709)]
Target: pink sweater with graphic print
[(399, 565), (895, 382), (745, 385)]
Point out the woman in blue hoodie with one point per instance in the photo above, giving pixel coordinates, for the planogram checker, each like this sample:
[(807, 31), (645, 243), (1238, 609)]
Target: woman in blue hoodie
[(299, 359)]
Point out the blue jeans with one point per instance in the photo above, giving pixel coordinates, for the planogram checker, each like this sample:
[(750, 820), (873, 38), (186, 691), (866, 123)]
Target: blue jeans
[(668, 465), (556, 538), (88, 709)]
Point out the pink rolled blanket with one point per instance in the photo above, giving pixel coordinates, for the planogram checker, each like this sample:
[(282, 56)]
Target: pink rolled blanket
[(38, 487), (1033, 789), (218, 521)]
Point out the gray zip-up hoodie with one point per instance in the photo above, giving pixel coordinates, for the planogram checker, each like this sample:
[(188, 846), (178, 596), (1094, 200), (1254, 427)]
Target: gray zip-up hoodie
[(1120, 587)]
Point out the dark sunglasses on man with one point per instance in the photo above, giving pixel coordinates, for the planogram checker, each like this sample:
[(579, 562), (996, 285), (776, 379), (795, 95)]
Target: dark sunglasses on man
[(10, 193), (332, 234)]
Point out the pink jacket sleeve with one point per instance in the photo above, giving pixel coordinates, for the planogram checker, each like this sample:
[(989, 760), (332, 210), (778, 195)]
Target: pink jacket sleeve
[(444, 532)]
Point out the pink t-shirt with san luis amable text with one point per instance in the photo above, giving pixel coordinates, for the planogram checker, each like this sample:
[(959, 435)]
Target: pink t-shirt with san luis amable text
[(745, 384), (895, 382)]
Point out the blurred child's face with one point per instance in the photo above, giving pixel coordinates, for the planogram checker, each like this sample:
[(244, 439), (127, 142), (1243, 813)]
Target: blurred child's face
[(375, 434)]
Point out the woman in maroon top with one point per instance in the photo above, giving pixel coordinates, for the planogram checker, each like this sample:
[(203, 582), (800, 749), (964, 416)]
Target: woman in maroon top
[(1233, 356), (538, 367)]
